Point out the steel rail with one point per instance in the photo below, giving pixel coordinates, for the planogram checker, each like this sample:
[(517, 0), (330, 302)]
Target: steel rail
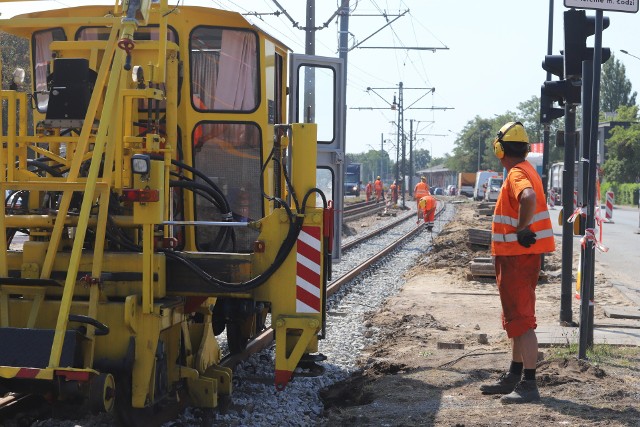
[(350, 244), (264, 339)]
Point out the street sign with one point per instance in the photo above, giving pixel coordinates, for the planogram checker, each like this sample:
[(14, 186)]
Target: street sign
[(630, 6)]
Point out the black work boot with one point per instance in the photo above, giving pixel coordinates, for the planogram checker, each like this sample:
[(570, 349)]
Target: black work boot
[(505, 384), (524, 392)]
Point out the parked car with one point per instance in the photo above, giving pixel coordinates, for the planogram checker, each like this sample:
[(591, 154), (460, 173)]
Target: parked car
[(437, 191), (451, 190)]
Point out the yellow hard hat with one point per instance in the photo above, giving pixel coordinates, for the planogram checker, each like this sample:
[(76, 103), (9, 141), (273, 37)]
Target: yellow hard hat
[(510, 132), (423, 178), (378, 178), (513, 132)]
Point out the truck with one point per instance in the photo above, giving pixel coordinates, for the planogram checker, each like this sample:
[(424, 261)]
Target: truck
[(466, 180), (352, 179), (480, 181), (554, 182)]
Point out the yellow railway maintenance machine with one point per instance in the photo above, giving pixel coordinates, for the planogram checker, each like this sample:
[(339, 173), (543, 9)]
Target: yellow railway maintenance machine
[(154, 197)]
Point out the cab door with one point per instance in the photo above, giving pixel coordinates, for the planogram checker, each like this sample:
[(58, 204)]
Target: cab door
[(317, 95)]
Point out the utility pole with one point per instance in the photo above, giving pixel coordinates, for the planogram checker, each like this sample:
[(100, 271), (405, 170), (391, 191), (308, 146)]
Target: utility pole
[(381, 151), (343, 48), (410, 184), (310, 72), (546, 132), (401, 136)]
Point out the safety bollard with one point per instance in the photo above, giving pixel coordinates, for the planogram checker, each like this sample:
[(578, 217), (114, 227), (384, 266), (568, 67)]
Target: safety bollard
[(609, 207)]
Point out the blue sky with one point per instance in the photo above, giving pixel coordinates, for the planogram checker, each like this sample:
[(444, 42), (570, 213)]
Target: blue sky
[(492, 63)]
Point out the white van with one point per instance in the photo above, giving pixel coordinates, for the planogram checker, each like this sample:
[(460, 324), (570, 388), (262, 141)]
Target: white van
[(493, 189), (481, 180)]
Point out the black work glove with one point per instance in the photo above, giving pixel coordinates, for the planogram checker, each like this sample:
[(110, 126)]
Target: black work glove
[(526, 237)]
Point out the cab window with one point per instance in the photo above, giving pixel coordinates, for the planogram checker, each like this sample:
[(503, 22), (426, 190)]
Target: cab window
[(41, 42), (224, 69)]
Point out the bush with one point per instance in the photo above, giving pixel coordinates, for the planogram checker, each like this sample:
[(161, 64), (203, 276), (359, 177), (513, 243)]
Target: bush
[(623, 192)]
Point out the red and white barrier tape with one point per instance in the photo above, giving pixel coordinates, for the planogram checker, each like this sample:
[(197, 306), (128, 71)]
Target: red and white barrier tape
[(590, 234), (575, 214)]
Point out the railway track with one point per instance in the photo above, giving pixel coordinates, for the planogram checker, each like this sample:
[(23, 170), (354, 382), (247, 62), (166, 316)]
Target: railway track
[(15, 403), (263, 340), (361, 209)]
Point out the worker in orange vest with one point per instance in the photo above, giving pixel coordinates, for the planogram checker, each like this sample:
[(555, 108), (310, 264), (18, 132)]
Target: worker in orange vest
[(427, 206), (420, 190), (368, 190), (520, 232), (393, 191), (378, 187)]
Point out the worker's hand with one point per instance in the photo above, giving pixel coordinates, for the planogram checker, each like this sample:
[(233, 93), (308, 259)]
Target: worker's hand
[(526, 237)]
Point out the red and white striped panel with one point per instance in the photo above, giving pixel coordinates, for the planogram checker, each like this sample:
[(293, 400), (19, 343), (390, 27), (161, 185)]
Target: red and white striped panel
[(609, 206), (308, 271)]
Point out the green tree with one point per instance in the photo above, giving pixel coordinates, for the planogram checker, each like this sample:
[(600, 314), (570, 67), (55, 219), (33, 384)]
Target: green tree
[(15, 53), (473, 149), (529, 114), (623, 149), (627, 113), (374, 163), (421, 159), (615, 87), (623, 154)]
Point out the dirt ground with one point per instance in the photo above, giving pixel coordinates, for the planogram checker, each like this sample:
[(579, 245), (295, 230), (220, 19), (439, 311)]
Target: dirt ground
[(407, 380)]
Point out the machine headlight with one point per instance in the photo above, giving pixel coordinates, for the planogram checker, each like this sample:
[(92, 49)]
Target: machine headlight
[(140, 164), (18, 76)]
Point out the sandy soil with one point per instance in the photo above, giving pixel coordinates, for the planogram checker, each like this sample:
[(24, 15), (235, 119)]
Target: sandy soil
[(407, 380)]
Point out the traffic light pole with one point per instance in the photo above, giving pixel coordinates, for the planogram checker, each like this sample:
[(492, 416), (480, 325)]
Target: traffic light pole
[(567, 209), (586, 326), (547, 126), (585, 152)]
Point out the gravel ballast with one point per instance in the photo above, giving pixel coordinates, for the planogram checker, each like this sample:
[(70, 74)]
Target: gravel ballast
[(255, 401)]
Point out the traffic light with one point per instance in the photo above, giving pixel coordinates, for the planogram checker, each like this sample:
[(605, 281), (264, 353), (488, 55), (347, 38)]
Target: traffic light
[(560, 138), (559, 91), (547, 112), (562, 91), (577, 27), (554, 64)]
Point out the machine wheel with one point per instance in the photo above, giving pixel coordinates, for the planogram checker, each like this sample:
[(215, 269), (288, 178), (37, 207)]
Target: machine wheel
[(235, 337), (128, 416), (102, 393)]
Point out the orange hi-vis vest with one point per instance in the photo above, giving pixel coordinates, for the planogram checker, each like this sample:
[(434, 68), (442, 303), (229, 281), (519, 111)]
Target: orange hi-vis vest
[(427, 203), (421, 189), (504, 240), (378, 185)]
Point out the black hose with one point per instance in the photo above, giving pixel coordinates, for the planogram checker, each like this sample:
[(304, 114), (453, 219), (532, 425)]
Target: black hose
[(223, 200), (53, 170), (203, 191), (296, 223)]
